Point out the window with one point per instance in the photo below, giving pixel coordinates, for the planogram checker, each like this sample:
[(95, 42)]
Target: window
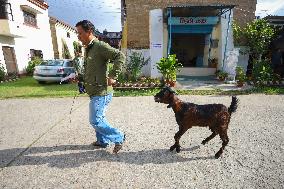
[(69, 64), (36, 53), (52, 63), (6, 10), (30, 18), (68, 34)]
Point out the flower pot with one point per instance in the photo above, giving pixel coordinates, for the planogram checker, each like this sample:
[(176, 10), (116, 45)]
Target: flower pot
[(143, 78), (240, 84), (213, 65), (170, 83)]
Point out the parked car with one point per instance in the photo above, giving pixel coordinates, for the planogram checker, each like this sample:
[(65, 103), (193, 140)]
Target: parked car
[(53, 70)]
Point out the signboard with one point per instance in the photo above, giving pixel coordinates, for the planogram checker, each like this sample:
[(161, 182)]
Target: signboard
[(193, 20), (231, 63), (156, 45), (156, 39)]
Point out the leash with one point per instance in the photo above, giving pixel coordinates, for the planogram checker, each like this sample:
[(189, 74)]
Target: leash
[(74, 98)]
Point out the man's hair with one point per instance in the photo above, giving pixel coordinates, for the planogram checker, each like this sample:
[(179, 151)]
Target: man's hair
[(86, 25)]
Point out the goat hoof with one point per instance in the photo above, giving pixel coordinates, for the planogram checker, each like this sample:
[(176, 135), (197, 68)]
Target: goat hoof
[(172, 147), (178, 150), (203, 142)]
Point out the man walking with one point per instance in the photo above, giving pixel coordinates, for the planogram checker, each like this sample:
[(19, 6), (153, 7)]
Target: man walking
[(98, 83)]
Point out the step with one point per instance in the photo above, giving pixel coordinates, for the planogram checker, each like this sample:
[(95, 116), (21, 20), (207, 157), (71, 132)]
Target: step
[(197, 71)]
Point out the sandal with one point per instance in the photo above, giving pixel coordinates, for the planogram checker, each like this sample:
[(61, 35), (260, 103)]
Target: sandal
[(99, 145), (116, 148)]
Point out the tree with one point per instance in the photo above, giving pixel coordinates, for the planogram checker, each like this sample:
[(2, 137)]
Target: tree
[(65, 51), (77, 48), (257, 35)]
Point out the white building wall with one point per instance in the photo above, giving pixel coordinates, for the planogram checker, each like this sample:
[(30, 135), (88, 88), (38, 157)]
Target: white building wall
[(61, 33), (156, 40), (38, 38), (146, 70), (223, 36)]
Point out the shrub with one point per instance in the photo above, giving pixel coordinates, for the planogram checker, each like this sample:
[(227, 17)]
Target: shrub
[(135, 64), (262, 72), (2, 72), (240, 74), (31, 65)]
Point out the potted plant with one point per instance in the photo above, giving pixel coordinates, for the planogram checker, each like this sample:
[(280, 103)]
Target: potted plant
[(240, 76), (222, 75), (134, 65), (169, 67), (213, 63)]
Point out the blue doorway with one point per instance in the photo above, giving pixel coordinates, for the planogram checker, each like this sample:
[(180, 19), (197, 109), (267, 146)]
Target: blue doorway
[(189, 49)]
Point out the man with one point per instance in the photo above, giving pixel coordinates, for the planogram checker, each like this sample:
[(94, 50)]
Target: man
[(98, 83)]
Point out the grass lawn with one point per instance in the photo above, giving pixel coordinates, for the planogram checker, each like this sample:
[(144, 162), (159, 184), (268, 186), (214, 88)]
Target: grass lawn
[(27, 87)]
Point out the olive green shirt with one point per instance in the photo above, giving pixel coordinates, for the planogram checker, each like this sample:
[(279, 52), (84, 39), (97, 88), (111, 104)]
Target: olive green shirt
[(97, 57)]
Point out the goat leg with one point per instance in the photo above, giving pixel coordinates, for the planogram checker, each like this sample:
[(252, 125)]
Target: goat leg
[(225, 139), (208, 138), (177, 138)]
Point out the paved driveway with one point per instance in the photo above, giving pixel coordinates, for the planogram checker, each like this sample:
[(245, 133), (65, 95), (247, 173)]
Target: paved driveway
[(41, 148)]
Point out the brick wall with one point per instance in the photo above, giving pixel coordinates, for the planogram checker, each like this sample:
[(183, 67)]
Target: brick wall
[(138, 16)]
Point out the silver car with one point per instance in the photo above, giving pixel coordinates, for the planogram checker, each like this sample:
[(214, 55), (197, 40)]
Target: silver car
[(53, 70)]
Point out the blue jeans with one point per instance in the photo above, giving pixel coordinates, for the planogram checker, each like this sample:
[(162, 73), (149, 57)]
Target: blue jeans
[(105, 133)]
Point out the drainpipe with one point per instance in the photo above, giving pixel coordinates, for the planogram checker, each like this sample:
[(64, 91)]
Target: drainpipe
[(210, 39), (227, 39), (170, 32)]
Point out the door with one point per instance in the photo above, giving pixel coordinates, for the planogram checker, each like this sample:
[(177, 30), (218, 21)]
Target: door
[(10, 59)]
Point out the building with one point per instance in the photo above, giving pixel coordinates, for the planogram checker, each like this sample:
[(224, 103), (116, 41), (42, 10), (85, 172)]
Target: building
[(196, 31), (63, 38), (277, 45), (112, 38), (277, 21), (24, 33)]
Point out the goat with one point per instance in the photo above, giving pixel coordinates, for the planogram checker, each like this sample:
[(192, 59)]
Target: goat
[(215, 116)]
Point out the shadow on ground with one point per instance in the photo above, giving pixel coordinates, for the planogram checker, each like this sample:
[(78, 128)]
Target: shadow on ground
[(64, 156)]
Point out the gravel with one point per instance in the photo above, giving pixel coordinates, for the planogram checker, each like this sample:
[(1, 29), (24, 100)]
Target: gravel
[(41, 148)]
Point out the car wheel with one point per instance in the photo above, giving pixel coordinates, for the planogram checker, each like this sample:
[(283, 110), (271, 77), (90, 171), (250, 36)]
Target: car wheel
[(65, 82)]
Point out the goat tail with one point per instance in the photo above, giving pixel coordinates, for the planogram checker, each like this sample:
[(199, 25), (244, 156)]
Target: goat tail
[(234, 105)]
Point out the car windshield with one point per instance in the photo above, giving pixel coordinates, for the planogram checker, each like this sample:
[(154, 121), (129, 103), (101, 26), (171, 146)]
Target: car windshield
[(52, 63)]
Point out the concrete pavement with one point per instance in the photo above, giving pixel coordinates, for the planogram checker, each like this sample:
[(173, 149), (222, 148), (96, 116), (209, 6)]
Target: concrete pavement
[(40, 148)]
